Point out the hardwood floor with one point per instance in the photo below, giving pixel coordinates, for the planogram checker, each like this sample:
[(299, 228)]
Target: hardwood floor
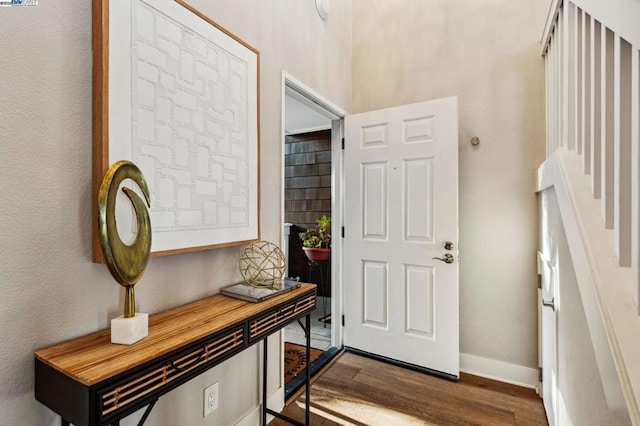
[(355, 390)]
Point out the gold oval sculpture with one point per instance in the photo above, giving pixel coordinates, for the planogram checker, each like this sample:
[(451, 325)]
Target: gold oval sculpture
[(125, 262)]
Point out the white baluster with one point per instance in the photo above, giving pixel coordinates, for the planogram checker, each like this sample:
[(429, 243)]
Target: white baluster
[(553, 93), (560, 78), (586, 92), (606, 138), (575, 99), (556, 87), (579, 81), (569, 73), (547, 70), (635, 171), (596, 110), (622, 151)]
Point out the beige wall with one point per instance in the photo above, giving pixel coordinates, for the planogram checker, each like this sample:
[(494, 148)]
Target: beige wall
[(484, 52), (487, 53), (49, 288)]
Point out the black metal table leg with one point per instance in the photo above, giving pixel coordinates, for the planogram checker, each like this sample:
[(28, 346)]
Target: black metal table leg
[(264, 381), (265, 410), (64, 422), (147, 412), (324, 290), (322, 268), (308, 383)]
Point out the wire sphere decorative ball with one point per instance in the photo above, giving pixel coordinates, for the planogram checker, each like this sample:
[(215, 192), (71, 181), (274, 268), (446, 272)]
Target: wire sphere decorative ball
[(262, 263)]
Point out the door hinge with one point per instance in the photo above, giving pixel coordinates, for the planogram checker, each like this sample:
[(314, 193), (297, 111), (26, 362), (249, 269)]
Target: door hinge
[(539, 280), (343, 232), (343, 320), (540, 374), (342, 143)]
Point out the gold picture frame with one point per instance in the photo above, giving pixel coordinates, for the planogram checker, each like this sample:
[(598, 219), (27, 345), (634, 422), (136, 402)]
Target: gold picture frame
[(178, 95)]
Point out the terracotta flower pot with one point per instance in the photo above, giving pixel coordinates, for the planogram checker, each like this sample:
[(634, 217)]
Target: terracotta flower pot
[(317, 254)]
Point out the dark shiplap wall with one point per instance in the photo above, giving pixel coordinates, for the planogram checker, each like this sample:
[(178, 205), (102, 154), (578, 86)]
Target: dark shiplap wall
[(307, 197), (307, 177)]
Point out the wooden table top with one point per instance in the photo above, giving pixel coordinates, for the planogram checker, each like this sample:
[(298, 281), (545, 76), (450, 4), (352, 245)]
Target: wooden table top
[(93, 358)]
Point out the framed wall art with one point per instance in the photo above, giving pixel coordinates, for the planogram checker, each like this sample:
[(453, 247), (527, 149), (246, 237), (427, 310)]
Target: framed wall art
[(178, 95)]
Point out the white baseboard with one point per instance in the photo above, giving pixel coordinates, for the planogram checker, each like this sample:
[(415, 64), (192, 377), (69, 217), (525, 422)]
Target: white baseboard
[(254, 417), (499, 370)]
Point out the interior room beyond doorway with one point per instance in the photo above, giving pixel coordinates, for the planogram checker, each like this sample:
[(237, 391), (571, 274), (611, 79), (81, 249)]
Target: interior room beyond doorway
[(307, 198), (307, 180)]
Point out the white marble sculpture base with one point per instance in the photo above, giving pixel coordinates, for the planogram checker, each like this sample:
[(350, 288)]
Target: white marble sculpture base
[(127, 331)]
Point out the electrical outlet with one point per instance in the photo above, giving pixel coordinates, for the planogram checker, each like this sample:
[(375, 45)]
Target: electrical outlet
[(210, 399)]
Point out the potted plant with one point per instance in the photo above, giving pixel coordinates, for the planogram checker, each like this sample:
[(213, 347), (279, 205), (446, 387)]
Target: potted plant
[(316, 241)]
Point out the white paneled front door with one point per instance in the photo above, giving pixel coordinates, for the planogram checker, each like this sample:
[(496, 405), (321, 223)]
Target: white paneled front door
[(401, 208)]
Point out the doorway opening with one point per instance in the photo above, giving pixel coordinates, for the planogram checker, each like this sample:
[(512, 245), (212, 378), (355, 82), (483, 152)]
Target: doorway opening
[(311, 160)]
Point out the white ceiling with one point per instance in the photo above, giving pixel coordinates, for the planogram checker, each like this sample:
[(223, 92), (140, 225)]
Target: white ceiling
[(300, 118)]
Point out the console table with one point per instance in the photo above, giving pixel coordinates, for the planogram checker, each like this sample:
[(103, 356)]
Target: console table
[(90, 381)]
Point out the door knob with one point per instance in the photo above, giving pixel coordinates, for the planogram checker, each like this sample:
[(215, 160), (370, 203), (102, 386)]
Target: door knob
[(447, 258), (448, 245)]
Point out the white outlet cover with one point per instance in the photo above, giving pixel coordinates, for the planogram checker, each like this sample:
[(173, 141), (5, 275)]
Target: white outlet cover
[(210, 399)]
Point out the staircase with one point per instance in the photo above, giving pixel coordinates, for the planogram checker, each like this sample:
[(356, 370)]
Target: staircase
[(592, 65)]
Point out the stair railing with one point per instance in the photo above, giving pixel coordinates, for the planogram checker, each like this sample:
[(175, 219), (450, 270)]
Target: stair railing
[(592, 66)]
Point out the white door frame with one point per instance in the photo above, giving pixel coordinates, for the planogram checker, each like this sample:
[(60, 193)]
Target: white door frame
[(322, 105)]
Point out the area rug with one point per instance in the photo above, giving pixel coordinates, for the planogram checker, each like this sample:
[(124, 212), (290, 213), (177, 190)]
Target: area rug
[(295, 359)]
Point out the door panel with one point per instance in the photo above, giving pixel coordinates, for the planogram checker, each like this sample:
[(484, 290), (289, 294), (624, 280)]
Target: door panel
[(376, 294), (418, 199), (374, 177), (401, 205), (419, 301), (374, 136)]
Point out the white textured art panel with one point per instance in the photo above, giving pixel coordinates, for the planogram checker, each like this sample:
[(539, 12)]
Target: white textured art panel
[(161, 43), (182, 106), (376, 293)]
